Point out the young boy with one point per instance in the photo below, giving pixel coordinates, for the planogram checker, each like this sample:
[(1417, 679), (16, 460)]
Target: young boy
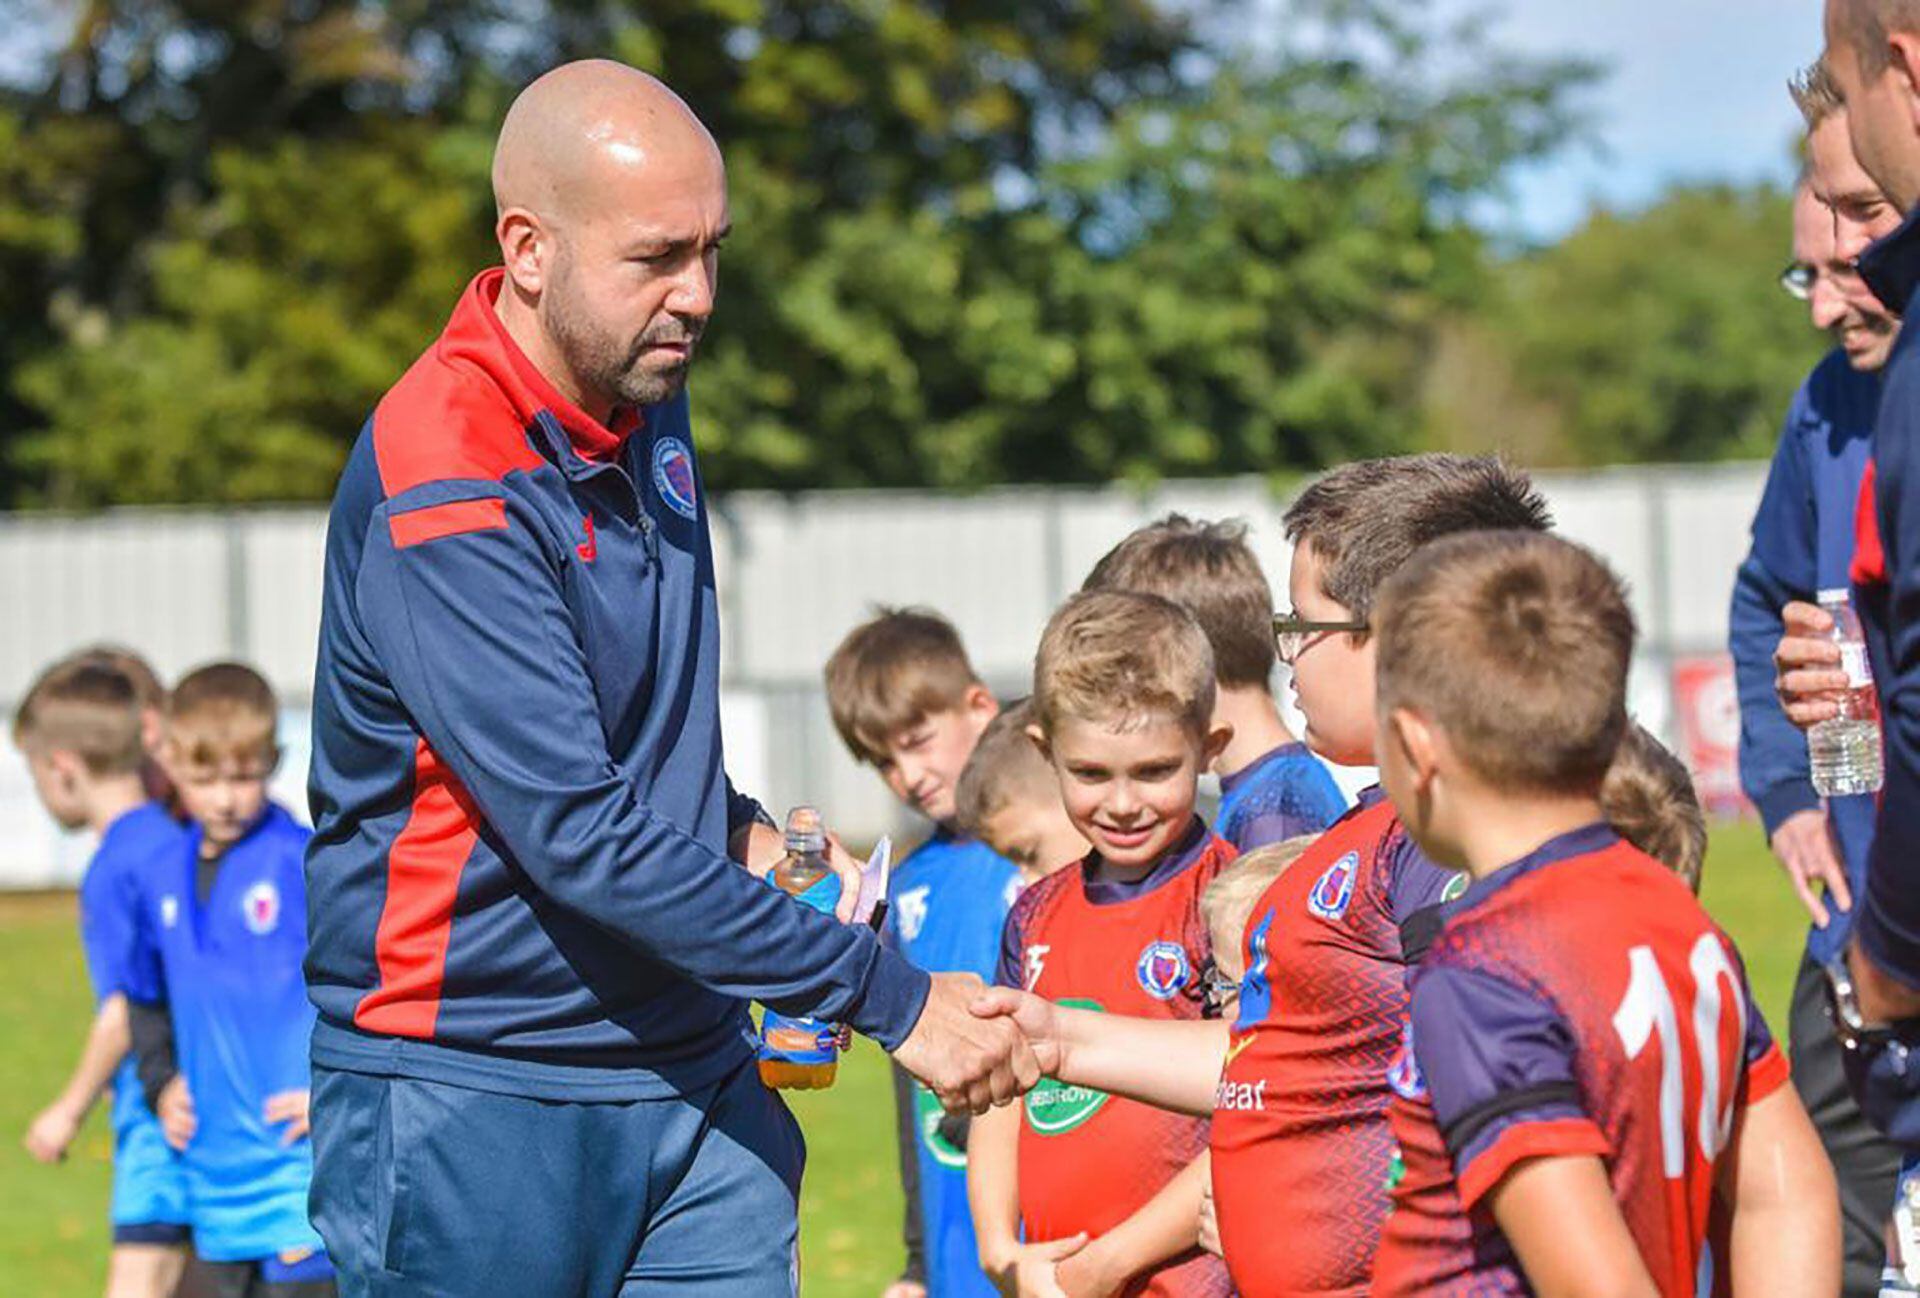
[(905, 698), (1297, 1080), (1585, 1073), (1271, 787), (1009, 799), (1105, 1192), (80, 729), (221, 1018)]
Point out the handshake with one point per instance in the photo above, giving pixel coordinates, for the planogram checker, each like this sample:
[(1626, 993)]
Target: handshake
[(976, 1046)]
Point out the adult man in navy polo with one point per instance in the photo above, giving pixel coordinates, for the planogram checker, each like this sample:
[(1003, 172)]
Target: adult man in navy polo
[(532, 941)]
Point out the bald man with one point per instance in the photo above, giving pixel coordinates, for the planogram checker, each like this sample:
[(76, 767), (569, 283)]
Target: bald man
[(532, 938)]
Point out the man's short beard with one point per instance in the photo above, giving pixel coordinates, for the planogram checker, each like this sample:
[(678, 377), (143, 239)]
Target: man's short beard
[(602, 362)]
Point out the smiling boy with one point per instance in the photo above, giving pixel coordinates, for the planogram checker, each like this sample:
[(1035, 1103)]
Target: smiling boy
[(1105, 1192)]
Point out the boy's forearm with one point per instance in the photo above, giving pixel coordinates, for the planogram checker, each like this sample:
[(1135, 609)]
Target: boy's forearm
[(107, 1044), (1164, 1227), (1785, 1230), (993, 1183), (1169, 1064), (153, 1057)]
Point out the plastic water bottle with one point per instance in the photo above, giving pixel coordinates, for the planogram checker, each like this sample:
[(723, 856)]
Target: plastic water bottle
[(1845, 751), (799, 1053)]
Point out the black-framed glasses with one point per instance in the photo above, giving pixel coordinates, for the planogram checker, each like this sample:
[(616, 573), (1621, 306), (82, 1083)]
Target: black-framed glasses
[(1293, 636), (1799, 278)]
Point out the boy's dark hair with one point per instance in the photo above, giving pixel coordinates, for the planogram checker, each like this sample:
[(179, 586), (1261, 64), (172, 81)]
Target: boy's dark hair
[(85, 707), (891, 672), (1006, 765), (1516, 644), (146, 682), (223, 711), (1649, 799), (1209, 569), (1364, 519)]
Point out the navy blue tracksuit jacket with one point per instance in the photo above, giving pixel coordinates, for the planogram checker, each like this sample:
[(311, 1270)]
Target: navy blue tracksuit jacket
[(518, 879), (1803, 541)]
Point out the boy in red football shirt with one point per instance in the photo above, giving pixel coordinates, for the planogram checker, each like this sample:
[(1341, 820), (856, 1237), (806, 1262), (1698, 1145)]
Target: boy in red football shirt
[(1105, 1191), (1585, 1071), (1297, 1082)]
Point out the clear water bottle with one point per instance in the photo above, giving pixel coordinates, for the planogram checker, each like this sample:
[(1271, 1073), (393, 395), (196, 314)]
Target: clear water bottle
[(1845, 751), (802, 1054)]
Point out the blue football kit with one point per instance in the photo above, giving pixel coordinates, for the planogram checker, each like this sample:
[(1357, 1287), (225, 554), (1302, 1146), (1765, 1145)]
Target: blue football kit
[(149, 1204), (1282, 794), (947, 905), (227, 967)]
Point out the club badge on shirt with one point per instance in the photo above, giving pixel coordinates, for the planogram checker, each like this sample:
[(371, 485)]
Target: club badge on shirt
[(673, 476), (1163, 969), (1330, 895), (260, 908)]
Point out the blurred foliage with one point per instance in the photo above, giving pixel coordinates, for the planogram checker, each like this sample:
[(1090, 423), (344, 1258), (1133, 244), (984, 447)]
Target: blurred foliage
[(1661, 336), (998, 240)]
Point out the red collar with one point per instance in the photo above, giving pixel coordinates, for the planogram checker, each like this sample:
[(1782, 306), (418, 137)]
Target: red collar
[(476, 336)]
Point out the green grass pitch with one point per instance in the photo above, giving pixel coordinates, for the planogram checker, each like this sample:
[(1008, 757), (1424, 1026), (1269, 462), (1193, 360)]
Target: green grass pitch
[(52, 1235)]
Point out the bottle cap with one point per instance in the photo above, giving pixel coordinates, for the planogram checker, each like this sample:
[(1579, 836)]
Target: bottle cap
[(806, 832), (1834, 595)]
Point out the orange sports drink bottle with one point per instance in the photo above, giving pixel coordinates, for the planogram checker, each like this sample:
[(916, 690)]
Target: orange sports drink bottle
[(802, 1054)]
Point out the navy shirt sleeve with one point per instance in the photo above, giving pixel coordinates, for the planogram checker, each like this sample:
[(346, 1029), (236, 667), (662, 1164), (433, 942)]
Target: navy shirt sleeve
[(1498, 1063), (476, 638), (1782, 565), (1889, 918), (1417, 890), (1011, 969)]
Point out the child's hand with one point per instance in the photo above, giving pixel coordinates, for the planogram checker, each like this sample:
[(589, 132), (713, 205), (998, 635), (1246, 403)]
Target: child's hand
[(1088, 1273), (175, 1111), (52, 1132), (904, 1289), (290, 1107), (1028, 1271), (1033, 1015), (1210, 1223)]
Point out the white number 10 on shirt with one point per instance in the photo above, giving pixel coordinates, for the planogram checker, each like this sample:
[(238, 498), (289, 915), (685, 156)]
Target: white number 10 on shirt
[(1647, 1011)]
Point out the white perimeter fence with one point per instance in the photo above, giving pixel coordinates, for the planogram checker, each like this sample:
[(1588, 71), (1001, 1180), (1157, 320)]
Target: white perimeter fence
[(189, 586)]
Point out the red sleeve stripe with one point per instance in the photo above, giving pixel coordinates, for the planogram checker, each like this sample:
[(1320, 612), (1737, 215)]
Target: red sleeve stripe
[(1557, 1138), (1766, 1075), (450, 519)]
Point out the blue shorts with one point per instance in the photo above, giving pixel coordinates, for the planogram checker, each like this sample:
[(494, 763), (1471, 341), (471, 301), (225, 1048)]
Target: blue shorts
[(149, 1187), (435, 1191)]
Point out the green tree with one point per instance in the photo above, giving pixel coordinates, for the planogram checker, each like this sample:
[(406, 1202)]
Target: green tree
[(998, 240), (1663, 335)]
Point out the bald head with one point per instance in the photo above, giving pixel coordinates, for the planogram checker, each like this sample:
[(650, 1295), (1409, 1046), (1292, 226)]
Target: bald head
[(576, 134), (613, 205)]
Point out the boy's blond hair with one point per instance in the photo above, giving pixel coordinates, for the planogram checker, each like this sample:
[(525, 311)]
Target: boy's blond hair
[(222, 712), (1364, 519), (1006, 766), (1517, 645), (88, 708), (1649, 799), (892, 672), (1208, 569), (1123, 657), (1227, 903)]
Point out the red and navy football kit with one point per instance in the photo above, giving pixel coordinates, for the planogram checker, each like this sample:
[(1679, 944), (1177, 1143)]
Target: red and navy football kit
[(1088, 1160), (1578, 1002), (1300, 1141)]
